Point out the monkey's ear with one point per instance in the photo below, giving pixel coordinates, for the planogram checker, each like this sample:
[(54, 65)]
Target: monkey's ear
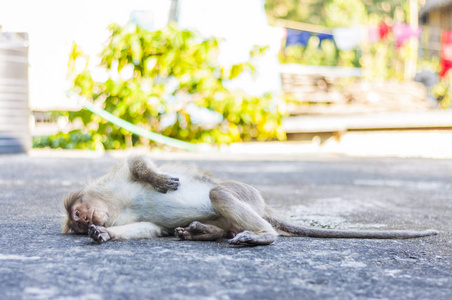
[(68, 203), (67, 227)]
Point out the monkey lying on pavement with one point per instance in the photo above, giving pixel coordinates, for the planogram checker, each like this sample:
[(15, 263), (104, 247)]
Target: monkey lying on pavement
[(138, 200)]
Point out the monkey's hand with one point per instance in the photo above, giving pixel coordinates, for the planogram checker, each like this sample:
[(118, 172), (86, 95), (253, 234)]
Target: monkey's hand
[(99, 234), (164, 183)]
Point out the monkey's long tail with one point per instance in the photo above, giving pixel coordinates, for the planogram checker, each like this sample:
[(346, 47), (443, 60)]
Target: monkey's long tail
[(351, 234)]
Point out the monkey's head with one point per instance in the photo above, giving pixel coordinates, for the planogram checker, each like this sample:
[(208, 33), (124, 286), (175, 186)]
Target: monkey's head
[(82, 211)]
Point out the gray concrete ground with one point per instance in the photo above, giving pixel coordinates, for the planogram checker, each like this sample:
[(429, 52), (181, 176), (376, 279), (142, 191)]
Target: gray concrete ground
[(38, 262)]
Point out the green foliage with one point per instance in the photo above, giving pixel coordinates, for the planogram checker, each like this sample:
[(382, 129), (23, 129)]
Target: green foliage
[(71, 140), (385, 61), (155, 80), (308, 11), (345, 13), (442, 91), (323, 54), (336, 13)]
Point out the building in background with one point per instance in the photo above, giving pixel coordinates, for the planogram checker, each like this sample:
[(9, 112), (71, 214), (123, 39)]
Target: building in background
[(437, 13)]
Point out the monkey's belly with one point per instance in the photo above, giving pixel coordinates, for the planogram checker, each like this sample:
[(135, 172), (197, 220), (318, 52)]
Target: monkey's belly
[(176, 208)]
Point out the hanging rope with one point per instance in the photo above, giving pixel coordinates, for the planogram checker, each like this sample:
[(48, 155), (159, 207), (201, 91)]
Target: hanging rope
[(135, 129)]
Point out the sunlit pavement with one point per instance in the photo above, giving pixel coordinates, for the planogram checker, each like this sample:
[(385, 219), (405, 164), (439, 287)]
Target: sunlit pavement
[(329, 190), (425, 144)]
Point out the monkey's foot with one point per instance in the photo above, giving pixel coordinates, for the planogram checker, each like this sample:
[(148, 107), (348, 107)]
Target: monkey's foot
[(199, 232), (247, 238), (165, 183), (99, 234)]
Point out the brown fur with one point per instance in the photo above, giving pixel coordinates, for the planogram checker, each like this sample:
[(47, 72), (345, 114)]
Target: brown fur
[(138, 200)]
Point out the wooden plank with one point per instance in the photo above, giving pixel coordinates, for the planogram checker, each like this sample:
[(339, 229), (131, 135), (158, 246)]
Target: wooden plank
[(371, 121), (320, 70)]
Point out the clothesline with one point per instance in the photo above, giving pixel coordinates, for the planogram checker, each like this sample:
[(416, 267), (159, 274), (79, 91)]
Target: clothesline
[(349, 38), (300, 26)]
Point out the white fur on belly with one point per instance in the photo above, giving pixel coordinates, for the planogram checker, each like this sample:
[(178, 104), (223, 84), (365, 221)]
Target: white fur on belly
[(190, 202)]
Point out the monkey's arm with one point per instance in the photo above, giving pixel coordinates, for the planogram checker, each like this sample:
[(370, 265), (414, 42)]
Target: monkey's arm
[(142, 169), (141, 230)]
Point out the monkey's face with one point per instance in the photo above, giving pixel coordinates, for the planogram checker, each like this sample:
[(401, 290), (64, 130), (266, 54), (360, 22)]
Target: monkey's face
[(82, 213), (86, 213)]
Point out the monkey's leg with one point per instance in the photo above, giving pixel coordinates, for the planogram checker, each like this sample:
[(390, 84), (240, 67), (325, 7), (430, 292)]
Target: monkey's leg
[(141, 230), (243, 207), (199, 232), (142, 169)]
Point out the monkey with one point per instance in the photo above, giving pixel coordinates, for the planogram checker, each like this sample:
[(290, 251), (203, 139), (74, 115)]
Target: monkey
[(137, 199)]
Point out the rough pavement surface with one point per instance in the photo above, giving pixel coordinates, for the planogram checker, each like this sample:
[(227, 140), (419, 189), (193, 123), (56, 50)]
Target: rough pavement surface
[(38, 262)]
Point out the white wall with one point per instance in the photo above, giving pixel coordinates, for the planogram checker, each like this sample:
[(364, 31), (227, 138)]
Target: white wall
[(53, 25), (241, 24)]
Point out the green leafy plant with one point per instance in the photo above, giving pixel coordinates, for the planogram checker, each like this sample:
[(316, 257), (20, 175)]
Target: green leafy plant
[(319, 54), (442, 91), (167, 81)]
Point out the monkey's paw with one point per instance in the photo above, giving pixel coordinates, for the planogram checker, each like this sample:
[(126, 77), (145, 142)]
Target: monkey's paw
[(197, 231), (166, 183), (188, 233), (247, 238), (99, 234), (182, 233)]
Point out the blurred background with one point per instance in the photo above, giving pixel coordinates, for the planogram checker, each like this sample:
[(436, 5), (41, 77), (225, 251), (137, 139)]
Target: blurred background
[(283, 76)]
